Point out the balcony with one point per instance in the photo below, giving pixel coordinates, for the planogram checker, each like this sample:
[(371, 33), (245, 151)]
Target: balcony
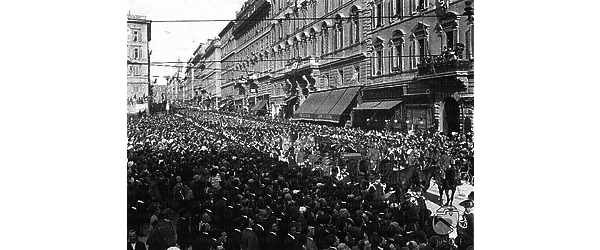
[(301, 63), (443, 64)]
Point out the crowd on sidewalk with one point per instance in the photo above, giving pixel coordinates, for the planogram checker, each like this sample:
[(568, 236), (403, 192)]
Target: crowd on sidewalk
[(210, 180)]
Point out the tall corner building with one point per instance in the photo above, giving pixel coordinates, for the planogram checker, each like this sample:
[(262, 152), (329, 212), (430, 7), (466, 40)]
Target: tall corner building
[(138, 63)]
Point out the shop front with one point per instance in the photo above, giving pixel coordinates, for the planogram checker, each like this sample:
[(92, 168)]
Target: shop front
[(329, 106), (381, 108)]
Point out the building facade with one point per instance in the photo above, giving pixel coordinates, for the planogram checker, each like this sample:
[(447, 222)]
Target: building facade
[(291, 49), (210, 75), (229, 75), (396, 64), (138, 63), (191, 80), (421, 74)]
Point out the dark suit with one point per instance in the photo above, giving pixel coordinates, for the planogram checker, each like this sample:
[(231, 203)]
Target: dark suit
[(288, 242), (156, 241), (138, 246), (202, 242), (273, 242), (183, 232), (234, 239), (249, 240), (261, 234)]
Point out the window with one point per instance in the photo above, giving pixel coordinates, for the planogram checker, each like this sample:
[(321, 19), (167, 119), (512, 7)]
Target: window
[(325, 40), (354, 26), (397, 44), (391, 58), (340, 33), (378, 60), (424, 4), (450, 39), (413, 54), (469, 42), (399, 8), (305, 46), (379, 55), (137, 71), (130, 72), (390, 10), (340, 78), (379, 21), (334, 39), (136, 53), (413, 6), (136, 36), (399, 65), (422, 49)]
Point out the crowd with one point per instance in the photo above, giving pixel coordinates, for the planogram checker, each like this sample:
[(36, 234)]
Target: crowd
[(209, 180)]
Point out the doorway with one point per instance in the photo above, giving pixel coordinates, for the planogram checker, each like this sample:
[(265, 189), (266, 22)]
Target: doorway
[(451, 115)]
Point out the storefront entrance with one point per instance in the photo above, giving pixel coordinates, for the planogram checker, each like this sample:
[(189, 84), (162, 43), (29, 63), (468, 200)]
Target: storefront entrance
[(451, 115)]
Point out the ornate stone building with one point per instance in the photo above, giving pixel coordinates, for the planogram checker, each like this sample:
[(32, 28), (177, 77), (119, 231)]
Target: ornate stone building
[(210, 75), (404, 64), (138, 63), (421, 70)]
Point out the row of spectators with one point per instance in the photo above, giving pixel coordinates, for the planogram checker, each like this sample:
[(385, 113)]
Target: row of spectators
[(210, 180)]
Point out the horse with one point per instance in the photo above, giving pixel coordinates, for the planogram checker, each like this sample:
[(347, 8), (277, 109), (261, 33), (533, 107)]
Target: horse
[(447, 181), (402, 179), (449, 184)]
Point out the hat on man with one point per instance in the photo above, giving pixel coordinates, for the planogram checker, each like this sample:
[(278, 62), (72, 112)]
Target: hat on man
[(467, 204)]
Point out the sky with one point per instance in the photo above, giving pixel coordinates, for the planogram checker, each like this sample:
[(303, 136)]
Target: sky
[(174, 40)]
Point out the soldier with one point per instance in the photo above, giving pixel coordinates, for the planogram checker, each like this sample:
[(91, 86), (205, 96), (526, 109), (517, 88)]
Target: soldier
[(467, 222), (413, 159)]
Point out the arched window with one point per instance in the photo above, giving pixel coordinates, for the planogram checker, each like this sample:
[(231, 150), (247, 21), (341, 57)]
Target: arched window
[(313, 42), (325, 38), (378, 59), (354, 26), (304, 44), (339, 30)]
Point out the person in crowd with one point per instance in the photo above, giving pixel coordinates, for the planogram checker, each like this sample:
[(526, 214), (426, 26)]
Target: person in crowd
[(200, 162), (133, 243)]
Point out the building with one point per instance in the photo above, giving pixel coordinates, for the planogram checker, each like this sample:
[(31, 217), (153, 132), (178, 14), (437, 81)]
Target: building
[(291, 49), (191, 79), (228, 74), (395, 64), (175, 84), (138, 63), (210, 74), (421, 74)]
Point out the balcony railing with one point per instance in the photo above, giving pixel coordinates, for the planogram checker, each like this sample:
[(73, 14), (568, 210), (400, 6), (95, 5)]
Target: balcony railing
[(444, 64)]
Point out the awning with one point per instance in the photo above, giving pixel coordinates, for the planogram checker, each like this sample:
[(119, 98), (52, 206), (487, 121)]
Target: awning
[(323, 112), (377, 105), (342, 105), (319, 100), (327, 106), (260, 105), (367, 105)]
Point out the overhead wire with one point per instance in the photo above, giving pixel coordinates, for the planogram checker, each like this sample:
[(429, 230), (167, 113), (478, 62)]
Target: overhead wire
[(293, 19)]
